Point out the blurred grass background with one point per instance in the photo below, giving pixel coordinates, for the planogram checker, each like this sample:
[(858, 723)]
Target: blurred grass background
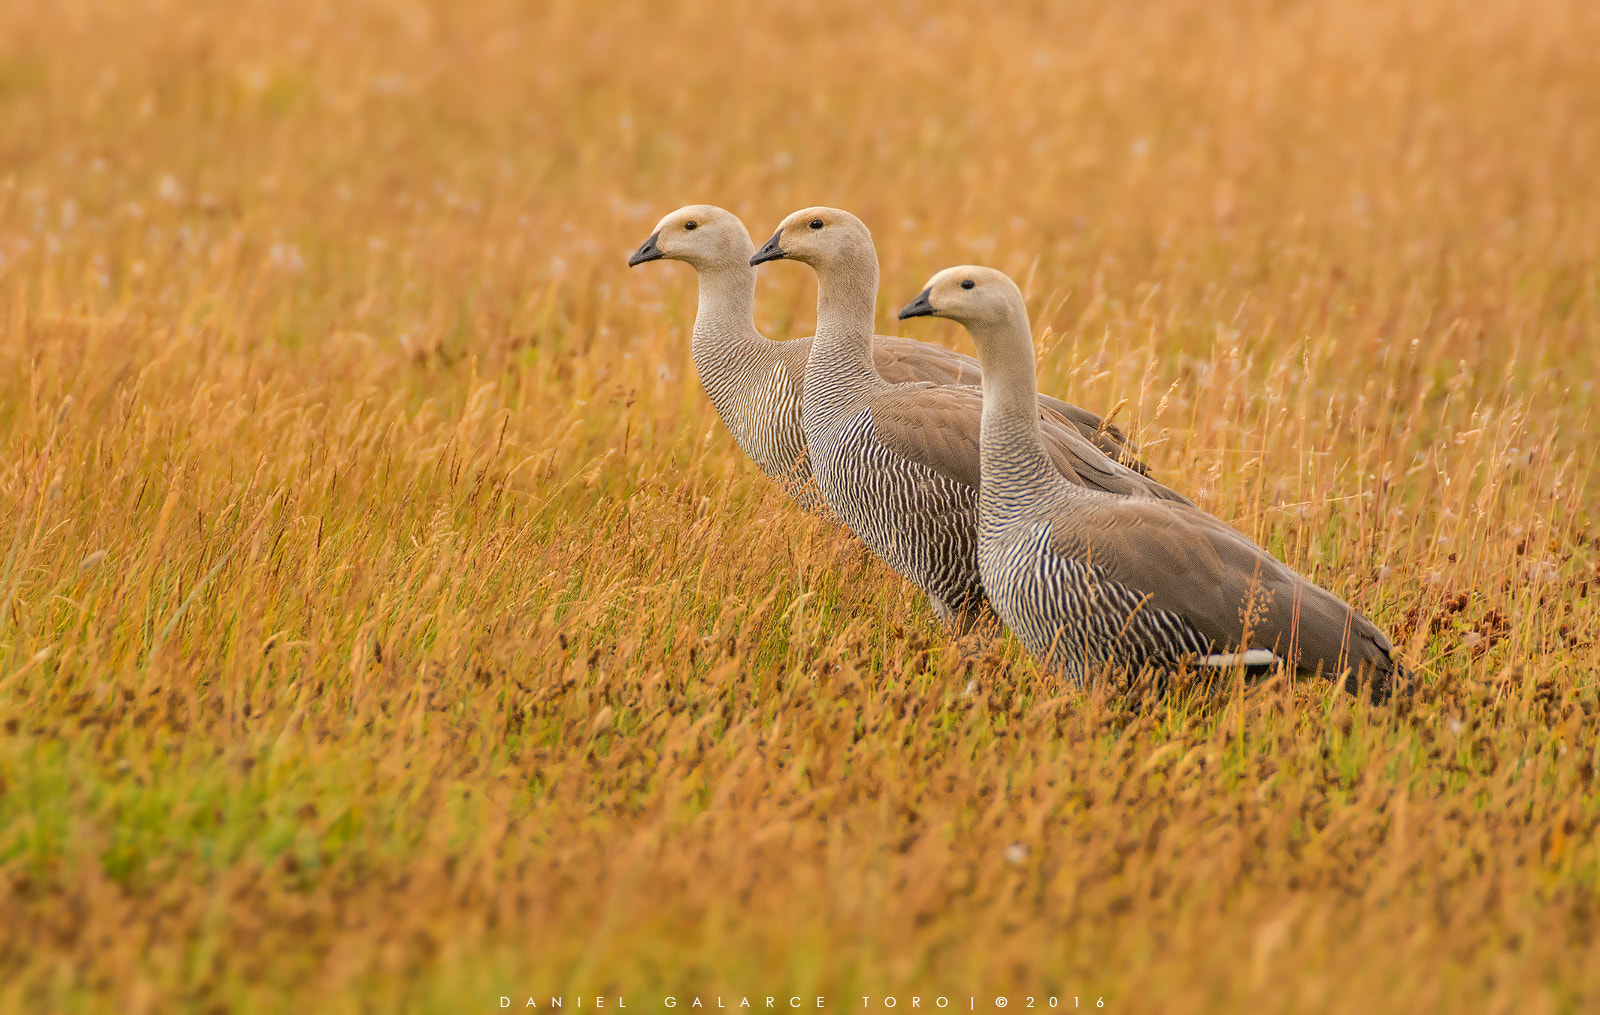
[(387, 623)]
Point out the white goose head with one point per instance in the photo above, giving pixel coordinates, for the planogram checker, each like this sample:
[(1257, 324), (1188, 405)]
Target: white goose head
[(704, 236), (819, 237), (983, 300)]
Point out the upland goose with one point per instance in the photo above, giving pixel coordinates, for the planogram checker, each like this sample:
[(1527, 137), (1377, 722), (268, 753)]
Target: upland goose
[(1089, 580), (755, 383), (898, 463)]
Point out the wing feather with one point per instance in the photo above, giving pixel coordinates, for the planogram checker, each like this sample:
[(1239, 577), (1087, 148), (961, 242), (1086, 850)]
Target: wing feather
[(905, 361), (937, 426), (1219, 581)]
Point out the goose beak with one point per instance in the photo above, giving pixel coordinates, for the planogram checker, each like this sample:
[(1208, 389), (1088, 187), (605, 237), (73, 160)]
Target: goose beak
[(770, 251), (922, 306), (647, 252)]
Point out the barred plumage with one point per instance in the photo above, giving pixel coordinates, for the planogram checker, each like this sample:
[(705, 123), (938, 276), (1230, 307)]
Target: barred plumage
[(756, 391), (1087, 579), (1074, 617), (898, 463), (919, 522)]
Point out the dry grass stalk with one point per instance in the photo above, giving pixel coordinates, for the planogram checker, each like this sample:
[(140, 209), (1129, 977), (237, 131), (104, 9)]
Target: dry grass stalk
[(487, 664)]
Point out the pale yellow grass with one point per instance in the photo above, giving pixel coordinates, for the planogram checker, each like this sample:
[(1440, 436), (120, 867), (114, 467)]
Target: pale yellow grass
[(387, 622)]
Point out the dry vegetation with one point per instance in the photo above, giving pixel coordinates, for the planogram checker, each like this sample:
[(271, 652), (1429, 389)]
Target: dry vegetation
[(386, 620)]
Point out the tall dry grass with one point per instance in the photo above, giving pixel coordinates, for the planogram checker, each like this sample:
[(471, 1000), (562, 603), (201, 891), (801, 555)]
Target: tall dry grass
[(387, 622)]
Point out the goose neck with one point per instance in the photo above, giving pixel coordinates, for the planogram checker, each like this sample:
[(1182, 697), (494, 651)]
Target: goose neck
[(1010, 446), (847, 303), (726, 311)]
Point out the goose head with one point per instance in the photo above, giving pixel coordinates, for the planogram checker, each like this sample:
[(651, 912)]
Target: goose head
[(971, 295), (983, 300), (702, 235), (819, 237)]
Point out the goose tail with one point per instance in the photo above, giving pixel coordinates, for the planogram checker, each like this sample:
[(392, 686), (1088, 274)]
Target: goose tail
[(1249, 658), (1392, 680)]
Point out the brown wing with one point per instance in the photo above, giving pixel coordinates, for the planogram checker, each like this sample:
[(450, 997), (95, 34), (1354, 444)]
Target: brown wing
[(1107, 437), (1075, 456), (903, 361), (1208, 573), (937, 425), (932, 424)]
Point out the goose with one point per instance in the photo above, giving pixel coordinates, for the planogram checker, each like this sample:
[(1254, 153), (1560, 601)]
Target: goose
[(755, 384), (1089, 580), (898, 462)]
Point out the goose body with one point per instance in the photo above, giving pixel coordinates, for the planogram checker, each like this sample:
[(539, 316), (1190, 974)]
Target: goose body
[(1088, 580), (898, 463), (757, 385)]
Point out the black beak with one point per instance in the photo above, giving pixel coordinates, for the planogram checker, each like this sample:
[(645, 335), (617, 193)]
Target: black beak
[(770, 251), (648, 252), (919, 307)]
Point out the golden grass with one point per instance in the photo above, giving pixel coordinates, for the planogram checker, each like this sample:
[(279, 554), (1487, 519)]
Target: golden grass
[(386, 621)]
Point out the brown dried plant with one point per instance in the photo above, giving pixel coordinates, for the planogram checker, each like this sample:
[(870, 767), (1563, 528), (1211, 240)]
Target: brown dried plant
[(386, 621)]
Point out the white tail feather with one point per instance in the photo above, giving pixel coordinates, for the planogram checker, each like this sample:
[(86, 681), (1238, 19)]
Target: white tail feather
[(1250, 657)]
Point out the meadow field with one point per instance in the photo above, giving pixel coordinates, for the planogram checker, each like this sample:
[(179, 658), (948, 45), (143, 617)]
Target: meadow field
[(387, 623)]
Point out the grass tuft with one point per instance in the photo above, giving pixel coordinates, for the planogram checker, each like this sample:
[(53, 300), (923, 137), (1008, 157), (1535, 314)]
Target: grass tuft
[(387, 623)]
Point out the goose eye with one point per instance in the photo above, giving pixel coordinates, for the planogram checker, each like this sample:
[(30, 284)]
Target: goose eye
[(690, 224), (816, 223), (967, 283)]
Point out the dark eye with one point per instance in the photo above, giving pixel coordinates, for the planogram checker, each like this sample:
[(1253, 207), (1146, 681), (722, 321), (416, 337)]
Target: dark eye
[(967, 283), (816, 223), (690, 224)]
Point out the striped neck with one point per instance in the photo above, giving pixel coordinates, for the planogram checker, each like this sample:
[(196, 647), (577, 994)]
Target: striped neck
[(726, 310), (847, 298), (1011, 451), (725, 336)]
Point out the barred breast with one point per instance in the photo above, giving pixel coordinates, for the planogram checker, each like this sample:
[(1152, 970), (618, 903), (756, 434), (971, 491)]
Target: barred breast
[(1072, 616), (918, 521)]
